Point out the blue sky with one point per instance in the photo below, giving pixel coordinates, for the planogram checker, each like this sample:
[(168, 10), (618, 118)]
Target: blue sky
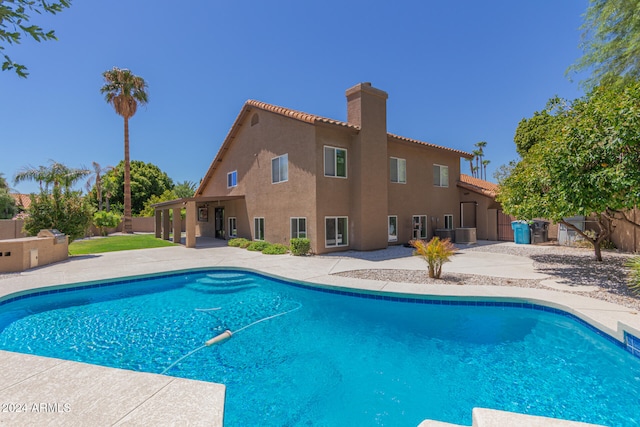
[(457, 72)]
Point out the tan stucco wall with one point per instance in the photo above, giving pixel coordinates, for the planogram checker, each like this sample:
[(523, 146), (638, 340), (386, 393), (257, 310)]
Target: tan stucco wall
[(486, 213), (419, 196), (251, 154), (625, 236), (16, 253)]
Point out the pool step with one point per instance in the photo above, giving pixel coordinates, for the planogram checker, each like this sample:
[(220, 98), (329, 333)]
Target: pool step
[(226, 283)]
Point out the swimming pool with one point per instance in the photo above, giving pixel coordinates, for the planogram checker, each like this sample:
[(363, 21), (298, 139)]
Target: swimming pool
[(330, 358)]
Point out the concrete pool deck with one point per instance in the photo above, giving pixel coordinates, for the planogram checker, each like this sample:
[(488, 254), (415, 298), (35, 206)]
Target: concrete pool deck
[(57, 392)]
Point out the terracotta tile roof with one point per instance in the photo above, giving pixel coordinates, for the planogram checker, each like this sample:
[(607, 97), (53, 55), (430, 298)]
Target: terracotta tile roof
[(297, 115), (311, 118), (22, 200), (402, 138), (477, 185)]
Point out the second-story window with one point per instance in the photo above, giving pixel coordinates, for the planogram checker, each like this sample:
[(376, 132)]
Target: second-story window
[(335, 162), (232, 179), (440, 176), (280, 169), (398, 170)]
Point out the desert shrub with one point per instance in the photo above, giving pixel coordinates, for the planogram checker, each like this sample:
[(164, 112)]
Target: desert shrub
[(239, 242), (300, 246), (633, 280), (275, 249), (258, 246), (436, 252)]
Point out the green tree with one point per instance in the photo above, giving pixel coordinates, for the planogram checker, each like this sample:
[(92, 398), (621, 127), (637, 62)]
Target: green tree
[(124, 91), (14, 22), (610, 42), (185, 189), (540, 126), (56, 174), (146, 180), (149, 210), (104, 220), (8, 207), (64, 210), (587, 164)]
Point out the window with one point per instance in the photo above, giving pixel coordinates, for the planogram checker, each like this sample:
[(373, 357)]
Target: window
[(336, 231), (258, 228), (298, 228), (280, 169), (398, 170), (419, 226), (335, 162), (448, 221), (232, 179), (393, 228), (440, 176), (233, 228)]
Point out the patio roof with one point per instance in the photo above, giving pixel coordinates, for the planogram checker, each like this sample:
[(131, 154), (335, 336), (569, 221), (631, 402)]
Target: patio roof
[(181, 202)]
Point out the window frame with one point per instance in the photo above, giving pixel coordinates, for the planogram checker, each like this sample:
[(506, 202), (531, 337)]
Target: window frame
[(424, 230), (448, 217), (279, 180), (345, 234), (297, 222), (397, 170), (257, 229), (233, 182), (392, 237), (230, 232), (441, 168), (335, 162)]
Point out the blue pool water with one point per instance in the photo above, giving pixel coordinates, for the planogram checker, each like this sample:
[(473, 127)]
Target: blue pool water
[(334, 360)]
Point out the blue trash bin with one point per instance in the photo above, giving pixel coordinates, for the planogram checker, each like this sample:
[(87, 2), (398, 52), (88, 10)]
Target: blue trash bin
[(521, 232)]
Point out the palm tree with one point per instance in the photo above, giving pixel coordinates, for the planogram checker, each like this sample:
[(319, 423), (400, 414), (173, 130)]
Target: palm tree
[(476, 156), (57, 174), (484, 166), (96, 176), (480, 155), (125, 91), (3, 183)]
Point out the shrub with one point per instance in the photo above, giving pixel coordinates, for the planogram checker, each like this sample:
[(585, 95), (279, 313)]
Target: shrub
[(103, 220), (258, 246), (239, 242), (300, 246), (634, 275), (436, 252), (275, 249)]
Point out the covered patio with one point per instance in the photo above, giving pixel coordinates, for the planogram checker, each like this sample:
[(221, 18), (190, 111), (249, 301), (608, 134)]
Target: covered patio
[(168, 217)]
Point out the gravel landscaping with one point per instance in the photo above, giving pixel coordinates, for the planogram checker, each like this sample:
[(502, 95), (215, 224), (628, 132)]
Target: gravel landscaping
[(574, 267)]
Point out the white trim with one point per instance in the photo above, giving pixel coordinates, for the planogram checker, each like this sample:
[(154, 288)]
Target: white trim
[(392, 237), (255, 229), (339, 237), (230, 232), (426, 226), (298, 218), (286, 157), (335, 162), (445, 221), (232, 173), (440, 173), (398, 170)]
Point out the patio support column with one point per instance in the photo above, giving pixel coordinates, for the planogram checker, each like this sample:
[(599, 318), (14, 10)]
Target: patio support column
[(158, 224), (177, 225), (166, 224), (191, 224)]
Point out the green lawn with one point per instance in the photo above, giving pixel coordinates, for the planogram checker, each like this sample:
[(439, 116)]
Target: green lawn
[(116, 243)]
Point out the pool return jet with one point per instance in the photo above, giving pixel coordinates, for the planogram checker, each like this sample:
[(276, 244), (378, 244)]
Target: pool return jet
[(227, 333)]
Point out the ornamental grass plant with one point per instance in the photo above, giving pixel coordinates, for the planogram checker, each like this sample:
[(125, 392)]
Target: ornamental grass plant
[(435, 252)]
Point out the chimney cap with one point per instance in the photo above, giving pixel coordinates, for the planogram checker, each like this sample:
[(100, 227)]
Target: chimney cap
[(367, 88)]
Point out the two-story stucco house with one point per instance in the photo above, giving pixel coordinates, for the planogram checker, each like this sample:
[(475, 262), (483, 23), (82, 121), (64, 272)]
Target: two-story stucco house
[(281, 174)]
